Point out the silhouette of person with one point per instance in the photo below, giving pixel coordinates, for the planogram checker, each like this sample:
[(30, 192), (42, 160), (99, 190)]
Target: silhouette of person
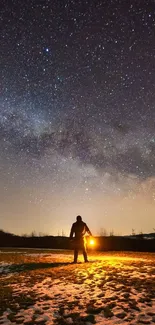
[(77, 233)]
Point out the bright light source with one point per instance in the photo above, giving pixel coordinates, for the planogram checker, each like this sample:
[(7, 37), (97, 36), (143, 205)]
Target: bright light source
[(92, 242)]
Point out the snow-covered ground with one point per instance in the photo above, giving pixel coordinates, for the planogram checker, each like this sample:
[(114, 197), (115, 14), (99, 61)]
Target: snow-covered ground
[(115, 288), (5, 268)]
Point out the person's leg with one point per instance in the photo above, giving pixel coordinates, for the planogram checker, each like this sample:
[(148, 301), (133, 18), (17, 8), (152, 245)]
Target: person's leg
[(75, 255), (84, 250)]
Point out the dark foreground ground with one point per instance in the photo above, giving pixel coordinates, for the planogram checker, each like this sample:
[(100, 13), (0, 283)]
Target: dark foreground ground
[(43, 287)]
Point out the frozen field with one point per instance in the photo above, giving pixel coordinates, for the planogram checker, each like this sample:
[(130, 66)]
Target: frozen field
[(43, 287)]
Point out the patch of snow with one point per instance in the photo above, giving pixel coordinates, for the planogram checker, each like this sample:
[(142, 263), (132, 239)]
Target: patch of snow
[(109, 290)]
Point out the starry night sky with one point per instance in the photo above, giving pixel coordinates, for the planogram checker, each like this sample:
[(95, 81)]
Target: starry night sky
[(77, 115)]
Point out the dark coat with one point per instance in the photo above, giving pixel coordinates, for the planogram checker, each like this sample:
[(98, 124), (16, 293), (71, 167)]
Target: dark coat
[(78, 230)]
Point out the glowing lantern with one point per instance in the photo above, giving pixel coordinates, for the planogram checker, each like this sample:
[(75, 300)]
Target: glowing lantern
[(92, 242)]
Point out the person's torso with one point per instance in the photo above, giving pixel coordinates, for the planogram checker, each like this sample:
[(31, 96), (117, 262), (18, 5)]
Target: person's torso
[(79, 229)]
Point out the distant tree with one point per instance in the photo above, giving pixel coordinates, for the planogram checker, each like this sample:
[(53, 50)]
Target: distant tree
[(24, 235), (103, 232), (133, 232), (33, 234), (63, 233), (141, 235), (111, 234)]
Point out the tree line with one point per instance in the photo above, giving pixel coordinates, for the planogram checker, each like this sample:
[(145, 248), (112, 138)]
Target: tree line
[(111, 242)]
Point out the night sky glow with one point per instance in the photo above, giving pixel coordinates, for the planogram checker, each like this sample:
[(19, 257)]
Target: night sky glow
[(77, 115)]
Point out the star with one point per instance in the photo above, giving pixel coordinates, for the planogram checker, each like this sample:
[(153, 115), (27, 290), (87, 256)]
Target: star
[(77, 115)]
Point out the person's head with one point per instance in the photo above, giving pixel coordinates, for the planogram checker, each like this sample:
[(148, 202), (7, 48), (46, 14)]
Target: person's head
[(79, 218)]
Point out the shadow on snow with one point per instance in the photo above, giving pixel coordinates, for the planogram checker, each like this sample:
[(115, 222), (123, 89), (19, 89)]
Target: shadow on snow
[(31, 266)]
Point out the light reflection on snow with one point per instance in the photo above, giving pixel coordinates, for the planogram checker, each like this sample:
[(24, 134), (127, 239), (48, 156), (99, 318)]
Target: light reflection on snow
[(113, 288)]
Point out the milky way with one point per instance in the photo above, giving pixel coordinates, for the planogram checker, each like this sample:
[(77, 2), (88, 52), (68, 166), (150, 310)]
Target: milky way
[(77, 114)]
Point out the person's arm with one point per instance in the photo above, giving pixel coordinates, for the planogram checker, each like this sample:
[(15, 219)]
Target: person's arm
[(88, 231), (71, 232)]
